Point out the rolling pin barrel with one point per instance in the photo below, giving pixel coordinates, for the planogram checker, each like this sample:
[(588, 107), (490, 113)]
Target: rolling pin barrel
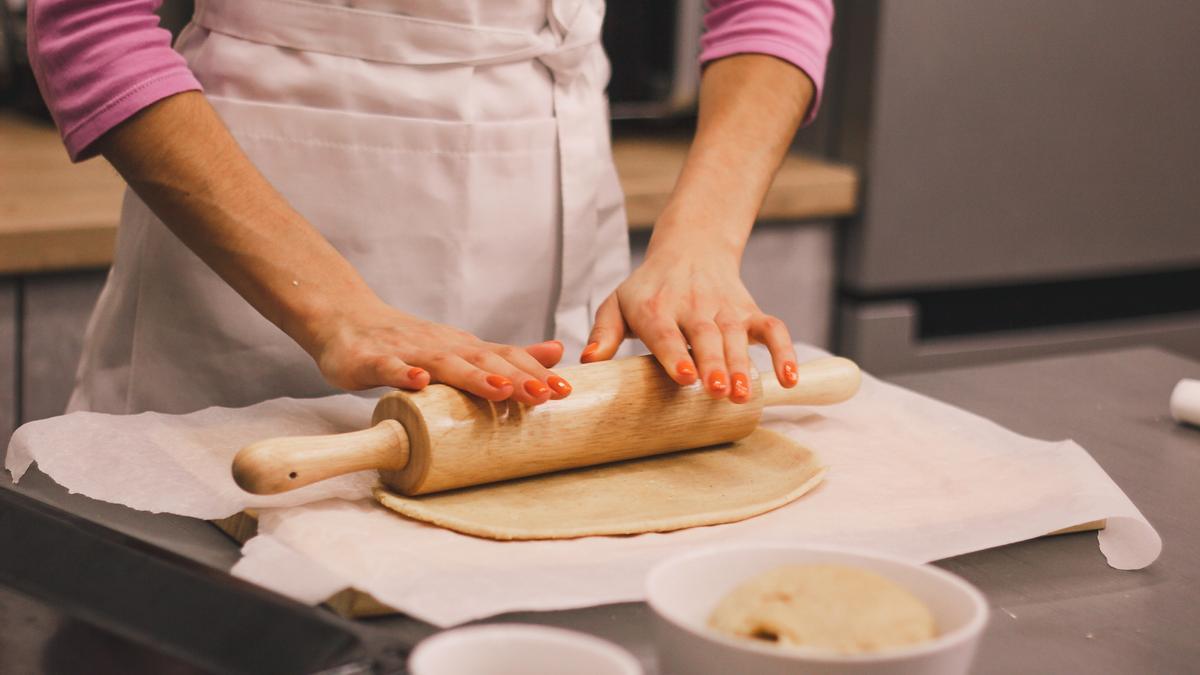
[(441, 438)]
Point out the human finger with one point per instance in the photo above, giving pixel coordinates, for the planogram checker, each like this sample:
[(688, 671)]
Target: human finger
[(607, 333), (527, 389), (737, 358), (521, 358), (547, 353), (391, 371), (708, 352), (451, 369), (773, 333), (664, 339)]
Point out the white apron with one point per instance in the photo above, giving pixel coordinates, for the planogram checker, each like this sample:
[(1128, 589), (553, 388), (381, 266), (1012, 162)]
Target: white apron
[(456, 153)]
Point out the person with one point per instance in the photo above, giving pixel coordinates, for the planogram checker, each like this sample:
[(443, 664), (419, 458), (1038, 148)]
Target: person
[(329, 194)]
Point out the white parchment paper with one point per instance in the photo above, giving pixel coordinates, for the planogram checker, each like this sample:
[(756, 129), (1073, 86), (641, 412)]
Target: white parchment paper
[(908, 475)]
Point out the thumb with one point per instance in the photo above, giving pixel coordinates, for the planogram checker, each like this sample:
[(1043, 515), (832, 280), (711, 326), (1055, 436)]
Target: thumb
[(607, 333), (390, 371)]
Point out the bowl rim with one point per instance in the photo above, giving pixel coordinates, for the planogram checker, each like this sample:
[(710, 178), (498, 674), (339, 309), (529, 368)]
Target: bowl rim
[(943, 642), (608, 648)]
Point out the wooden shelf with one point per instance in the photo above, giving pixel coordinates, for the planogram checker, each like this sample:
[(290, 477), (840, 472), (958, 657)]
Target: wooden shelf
[(57, 216), (54, 215), (804, 188)]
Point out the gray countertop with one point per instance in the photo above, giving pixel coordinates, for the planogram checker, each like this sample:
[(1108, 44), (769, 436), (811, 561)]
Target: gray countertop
[(1056, 605)]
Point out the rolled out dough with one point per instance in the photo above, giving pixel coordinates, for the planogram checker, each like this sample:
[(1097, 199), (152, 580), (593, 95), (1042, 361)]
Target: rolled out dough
[(709, 486)]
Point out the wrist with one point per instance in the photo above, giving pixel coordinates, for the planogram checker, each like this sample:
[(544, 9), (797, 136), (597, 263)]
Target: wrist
[(320, 314), (695, 239)]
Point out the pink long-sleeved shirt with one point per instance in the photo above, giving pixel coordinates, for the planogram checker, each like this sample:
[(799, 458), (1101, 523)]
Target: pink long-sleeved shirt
[(97, 63)]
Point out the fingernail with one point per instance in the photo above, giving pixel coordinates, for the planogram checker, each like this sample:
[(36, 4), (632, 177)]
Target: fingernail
[(536, 388), (686, 370), (498, 381), (589, 351), (789, 373), (716, 382), (741, 388), (414, 372), (560, 386)]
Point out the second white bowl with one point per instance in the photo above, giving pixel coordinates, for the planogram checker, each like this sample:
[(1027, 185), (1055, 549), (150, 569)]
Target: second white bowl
[(519, 649)]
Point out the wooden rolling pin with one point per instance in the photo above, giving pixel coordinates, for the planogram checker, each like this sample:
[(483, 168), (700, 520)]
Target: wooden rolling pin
[(441, 438)]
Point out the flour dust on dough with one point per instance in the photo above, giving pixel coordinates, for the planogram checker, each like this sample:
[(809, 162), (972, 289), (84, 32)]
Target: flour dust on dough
[(708, 486)]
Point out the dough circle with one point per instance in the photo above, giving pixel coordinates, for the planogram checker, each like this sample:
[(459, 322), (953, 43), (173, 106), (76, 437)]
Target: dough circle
[(833, 607), (708, 486)]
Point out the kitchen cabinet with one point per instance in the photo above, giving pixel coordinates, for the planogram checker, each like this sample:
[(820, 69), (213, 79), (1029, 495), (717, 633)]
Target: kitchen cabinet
[(789, 269), (8, 361), (1016, 165), (54, 316), (885, 337)]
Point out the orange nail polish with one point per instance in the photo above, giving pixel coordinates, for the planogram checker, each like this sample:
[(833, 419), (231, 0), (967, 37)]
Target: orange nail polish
[(414, 373), (686, 371), (741, 388), (716, 382), (560, 386), (498, 381), (790, 376), (589, 351), (536, 388)]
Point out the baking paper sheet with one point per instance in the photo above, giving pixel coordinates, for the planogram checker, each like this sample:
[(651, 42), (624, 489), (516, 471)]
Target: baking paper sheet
[(908, 475)]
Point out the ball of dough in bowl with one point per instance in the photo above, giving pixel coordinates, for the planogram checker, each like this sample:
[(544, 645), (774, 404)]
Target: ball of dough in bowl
[(832, 607)]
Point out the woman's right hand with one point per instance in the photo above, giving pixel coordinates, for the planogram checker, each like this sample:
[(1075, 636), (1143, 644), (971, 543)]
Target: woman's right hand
[(179, 157), (382, 346)]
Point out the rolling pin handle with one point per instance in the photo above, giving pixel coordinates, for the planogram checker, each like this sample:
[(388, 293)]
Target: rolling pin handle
[(822, 381), (281, 464)]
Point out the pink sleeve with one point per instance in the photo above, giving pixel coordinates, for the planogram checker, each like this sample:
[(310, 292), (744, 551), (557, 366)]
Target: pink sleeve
[(797, 31), (98, 62)]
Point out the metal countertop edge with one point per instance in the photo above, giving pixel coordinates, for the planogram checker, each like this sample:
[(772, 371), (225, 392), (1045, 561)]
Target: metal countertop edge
[(175, 605)]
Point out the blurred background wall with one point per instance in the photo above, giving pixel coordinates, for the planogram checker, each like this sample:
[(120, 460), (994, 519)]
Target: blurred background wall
[(1031, 178)]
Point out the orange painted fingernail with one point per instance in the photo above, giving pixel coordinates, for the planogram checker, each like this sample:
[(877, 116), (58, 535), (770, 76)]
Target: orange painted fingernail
[(560, 386), (790, 376), (498, 381), (741, 388), (414, 373), (536, 388), (716, 382), (686, 370), (589, 351)]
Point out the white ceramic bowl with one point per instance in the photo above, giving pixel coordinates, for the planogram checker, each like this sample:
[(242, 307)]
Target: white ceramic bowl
[(519, 649), (683, 591)]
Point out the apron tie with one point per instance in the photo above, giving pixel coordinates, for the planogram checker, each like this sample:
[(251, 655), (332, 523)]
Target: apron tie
[(575, 27), (581, 114)]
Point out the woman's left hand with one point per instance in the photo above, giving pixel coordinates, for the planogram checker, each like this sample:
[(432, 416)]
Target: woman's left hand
[(693, 298), (688, 291)]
